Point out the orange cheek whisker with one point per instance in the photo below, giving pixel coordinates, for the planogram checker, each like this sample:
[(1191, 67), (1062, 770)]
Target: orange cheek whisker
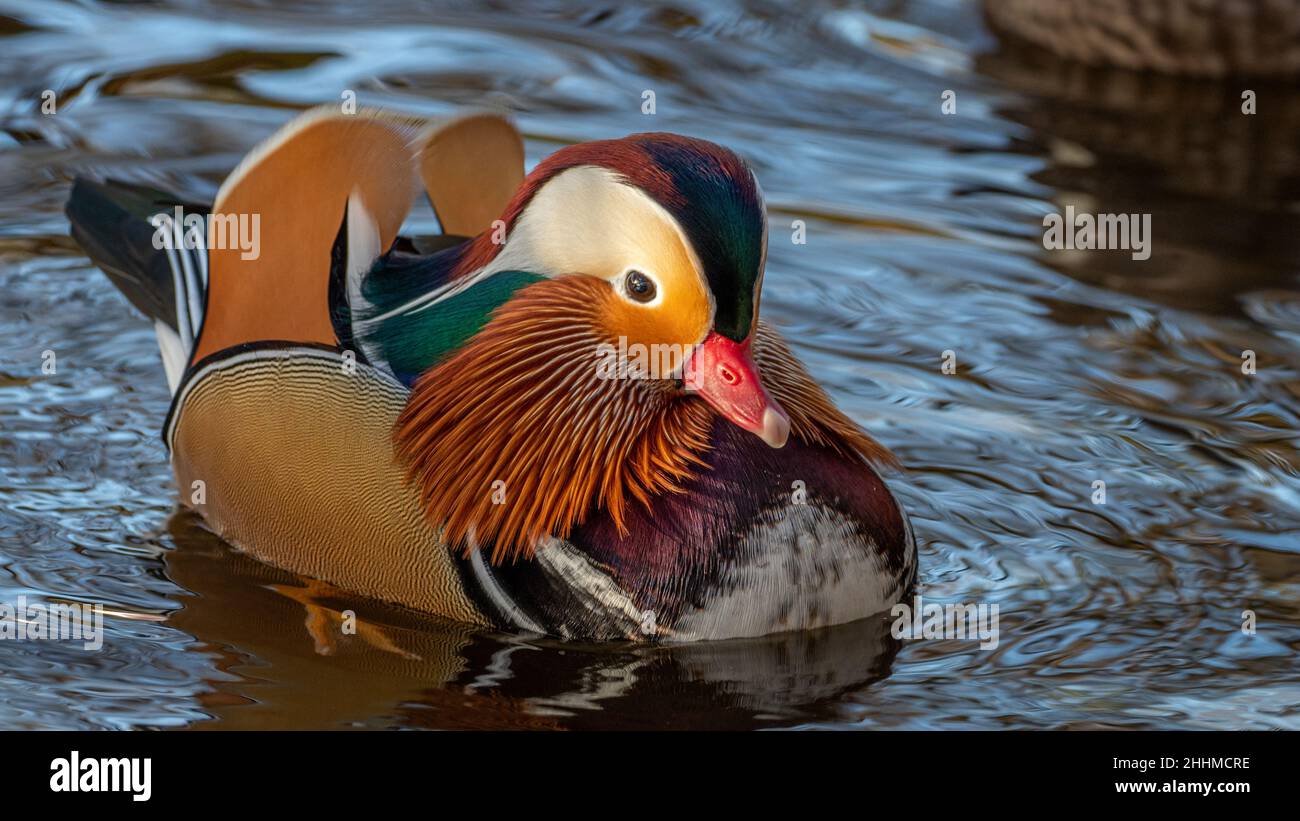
[(503, 408), (521, 404)]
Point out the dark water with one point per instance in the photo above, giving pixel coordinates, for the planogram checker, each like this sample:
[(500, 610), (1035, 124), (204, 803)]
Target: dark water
[(923, 235)]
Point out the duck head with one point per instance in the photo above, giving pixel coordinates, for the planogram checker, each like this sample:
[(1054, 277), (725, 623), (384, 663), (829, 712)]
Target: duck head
[(676, 229), (652, 248)]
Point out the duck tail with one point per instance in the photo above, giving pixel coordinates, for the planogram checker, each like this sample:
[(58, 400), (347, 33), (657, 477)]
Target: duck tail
[(267, 273), (151, 245)]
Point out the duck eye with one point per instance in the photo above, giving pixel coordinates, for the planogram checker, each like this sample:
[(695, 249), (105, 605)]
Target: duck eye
[(640, 287)]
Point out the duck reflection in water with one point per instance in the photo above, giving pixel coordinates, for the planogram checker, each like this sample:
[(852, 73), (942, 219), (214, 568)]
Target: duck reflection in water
[(390, 667)]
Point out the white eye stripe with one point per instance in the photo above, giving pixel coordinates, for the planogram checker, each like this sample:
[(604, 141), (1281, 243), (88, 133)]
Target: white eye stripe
[(588, 219)]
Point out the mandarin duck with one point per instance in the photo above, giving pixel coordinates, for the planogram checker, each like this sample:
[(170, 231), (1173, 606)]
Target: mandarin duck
[(1189, 38), (468, 424)]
